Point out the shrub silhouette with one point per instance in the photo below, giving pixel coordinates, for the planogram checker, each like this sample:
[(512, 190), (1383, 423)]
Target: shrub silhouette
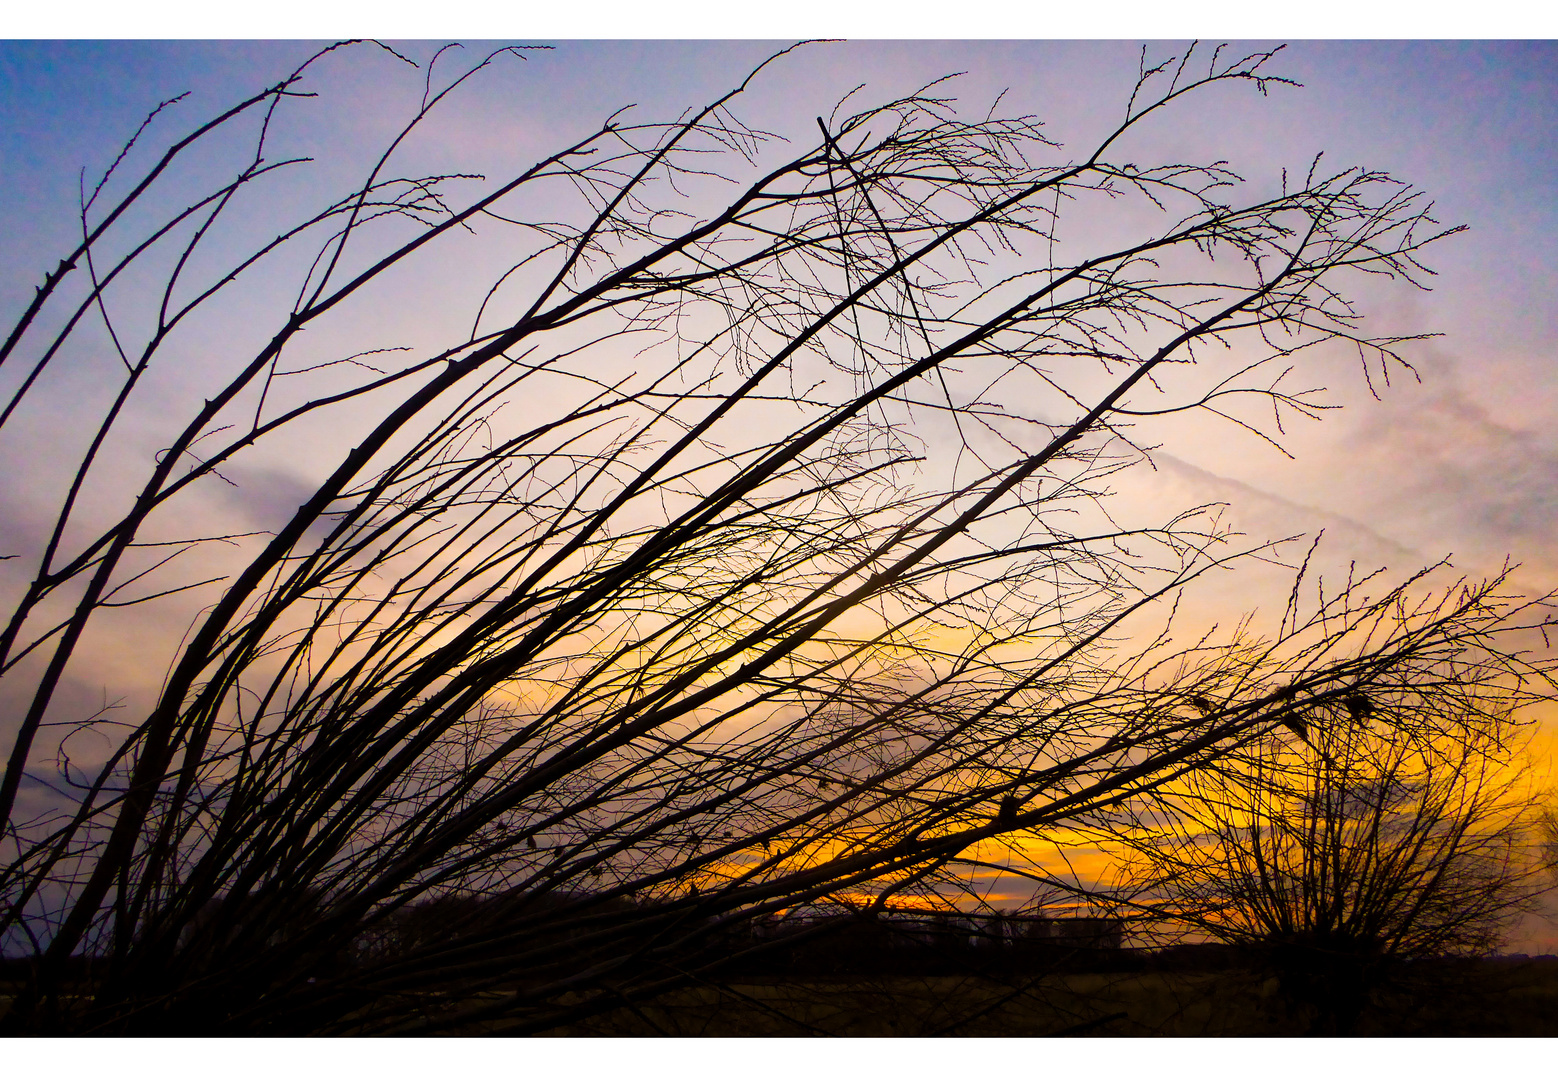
[(1339, 860), (737, 550)]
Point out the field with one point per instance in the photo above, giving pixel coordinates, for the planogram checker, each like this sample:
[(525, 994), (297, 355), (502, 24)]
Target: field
[(1511, 997), (1491, 998)]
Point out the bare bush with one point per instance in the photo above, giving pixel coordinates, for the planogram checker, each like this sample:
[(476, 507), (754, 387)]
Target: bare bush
[(1400, 827), (744, 552)]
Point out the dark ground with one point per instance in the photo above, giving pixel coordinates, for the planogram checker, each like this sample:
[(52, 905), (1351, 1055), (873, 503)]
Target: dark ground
[(1109, 992), (1504, 997)]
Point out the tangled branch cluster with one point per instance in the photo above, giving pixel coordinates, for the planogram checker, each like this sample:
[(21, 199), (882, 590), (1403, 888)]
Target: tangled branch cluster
[(745, 553)]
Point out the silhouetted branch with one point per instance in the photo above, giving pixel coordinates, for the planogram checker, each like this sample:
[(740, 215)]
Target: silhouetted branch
[(661, 600)]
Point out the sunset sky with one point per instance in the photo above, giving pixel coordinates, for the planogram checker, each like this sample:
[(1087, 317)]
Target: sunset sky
[(1462, 465)]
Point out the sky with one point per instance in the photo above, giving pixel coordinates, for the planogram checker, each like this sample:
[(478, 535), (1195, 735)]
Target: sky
[(1461, 465)]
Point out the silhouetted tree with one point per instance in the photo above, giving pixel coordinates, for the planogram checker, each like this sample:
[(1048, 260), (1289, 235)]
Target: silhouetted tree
[(740, 552), (1399, 828)]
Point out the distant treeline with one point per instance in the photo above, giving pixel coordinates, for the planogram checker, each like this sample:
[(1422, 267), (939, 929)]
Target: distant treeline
[(798, 943)]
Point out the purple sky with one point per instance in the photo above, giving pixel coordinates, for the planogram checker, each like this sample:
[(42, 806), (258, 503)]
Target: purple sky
[(1464, 464)]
